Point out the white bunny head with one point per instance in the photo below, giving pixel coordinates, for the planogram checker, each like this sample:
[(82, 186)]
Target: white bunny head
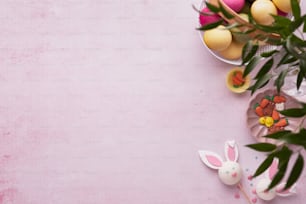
[(229, 171), (263, 184)]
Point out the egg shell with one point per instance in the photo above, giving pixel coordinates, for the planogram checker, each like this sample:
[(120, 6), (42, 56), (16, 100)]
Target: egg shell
[(209, 18), (261, 11), (218, 38), (233, 52), (283, 5), (236, 5)]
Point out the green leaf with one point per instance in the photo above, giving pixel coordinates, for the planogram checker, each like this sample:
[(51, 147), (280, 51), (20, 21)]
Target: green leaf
[(263, 166), (269, 54), (280, 80), (295, 172), (283, 156), (304, 29), (251, 65), (224, 12), (265, 68), (210, 26), (295, 24), (278, 176), (248, 51), (294, 112), (262, 147), (284, 58), (278, 134), (296, 10), (290, 60), (212, 8), (299, 79), (261, 82)]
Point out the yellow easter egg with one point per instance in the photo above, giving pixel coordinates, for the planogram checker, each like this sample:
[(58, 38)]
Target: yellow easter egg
[(283, 5), (261, 11), (233, 51), (218, 38)]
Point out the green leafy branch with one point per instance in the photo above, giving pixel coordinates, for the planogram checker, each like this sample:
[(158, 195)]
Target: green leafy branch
[(284, 152)]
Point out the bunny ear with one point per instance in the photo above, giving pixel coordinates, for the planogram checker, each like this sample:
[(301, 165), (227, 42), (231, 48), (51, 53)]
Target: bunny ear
[(272, 170), (231, 151), (211, 159), (285, 193)]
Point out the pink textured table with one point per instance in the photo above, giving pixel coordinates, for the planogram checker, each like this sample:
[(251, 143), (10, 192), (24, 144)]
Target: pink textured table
[(108, 101)]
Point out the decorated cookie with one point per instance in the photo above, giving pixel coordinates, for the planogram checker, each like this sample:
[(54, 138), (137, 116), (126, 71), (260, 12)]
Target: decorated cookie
[(229, 171)]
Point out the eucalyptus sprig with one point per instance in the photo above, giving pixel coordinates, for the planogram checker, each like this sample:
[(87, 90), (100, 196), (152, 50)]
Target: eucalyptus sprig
[(291, 50)]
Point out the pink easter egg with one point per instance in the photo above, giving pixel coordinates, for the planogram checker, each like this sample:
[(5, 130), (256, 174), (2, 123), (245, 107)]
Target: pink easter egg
[(236, 5), (281, 13), (209, 18)]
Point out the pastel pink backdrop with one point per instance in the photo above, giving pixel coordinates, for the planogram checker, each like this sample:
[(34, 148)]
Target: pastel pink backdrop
[(108, 101)]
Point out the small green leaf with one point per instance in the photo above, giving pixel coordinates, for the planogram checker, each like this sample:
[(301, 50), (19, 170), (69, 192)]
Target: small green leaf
[(299, 79), (210, 26), (262, 147), (278, 134), (249, 50), (280, 80), (265, 68), (295, 24), (251, 65), (261, 82), (294, 112), (224, 12), (290, 60), (212, 8), (304, 29), (296, 10), (269, 53), (295, 172), (278, 176), (263, 166)]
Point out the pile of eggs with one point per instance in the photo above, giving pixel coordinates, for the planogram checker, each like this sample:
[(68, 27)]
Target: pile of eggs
[(228, 43)]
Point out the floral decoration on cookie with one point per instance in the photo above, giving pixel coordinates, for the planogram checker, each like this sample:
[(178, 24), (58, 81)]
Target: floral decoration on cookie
[(268, 110)]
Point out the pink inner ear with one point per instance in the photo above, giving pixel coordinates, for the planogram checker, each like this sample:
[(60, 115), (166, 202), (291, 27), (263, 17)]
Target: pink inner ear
[(231, 153), (214, 161), (282, 192), (273, 169)]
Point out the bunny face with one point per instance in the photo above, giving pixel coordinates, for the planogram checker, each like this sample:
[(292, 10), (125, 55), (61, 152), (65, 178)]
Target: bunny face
[(263, 184), (261, 191), (230, 173)]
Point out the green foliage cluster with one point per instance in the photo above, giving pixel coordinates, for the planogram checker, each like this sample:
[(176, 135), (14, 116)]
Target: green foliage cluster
[(291, 50)]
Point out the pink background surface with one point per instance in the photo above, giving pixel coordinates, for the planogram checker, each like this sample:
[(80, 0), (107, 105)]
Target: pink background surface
[(108, 101)]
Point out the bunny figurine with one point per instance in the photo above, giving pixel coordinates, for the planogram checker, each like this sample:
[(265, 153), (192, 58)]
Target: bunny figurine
[(262, 185), (229, 171)]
